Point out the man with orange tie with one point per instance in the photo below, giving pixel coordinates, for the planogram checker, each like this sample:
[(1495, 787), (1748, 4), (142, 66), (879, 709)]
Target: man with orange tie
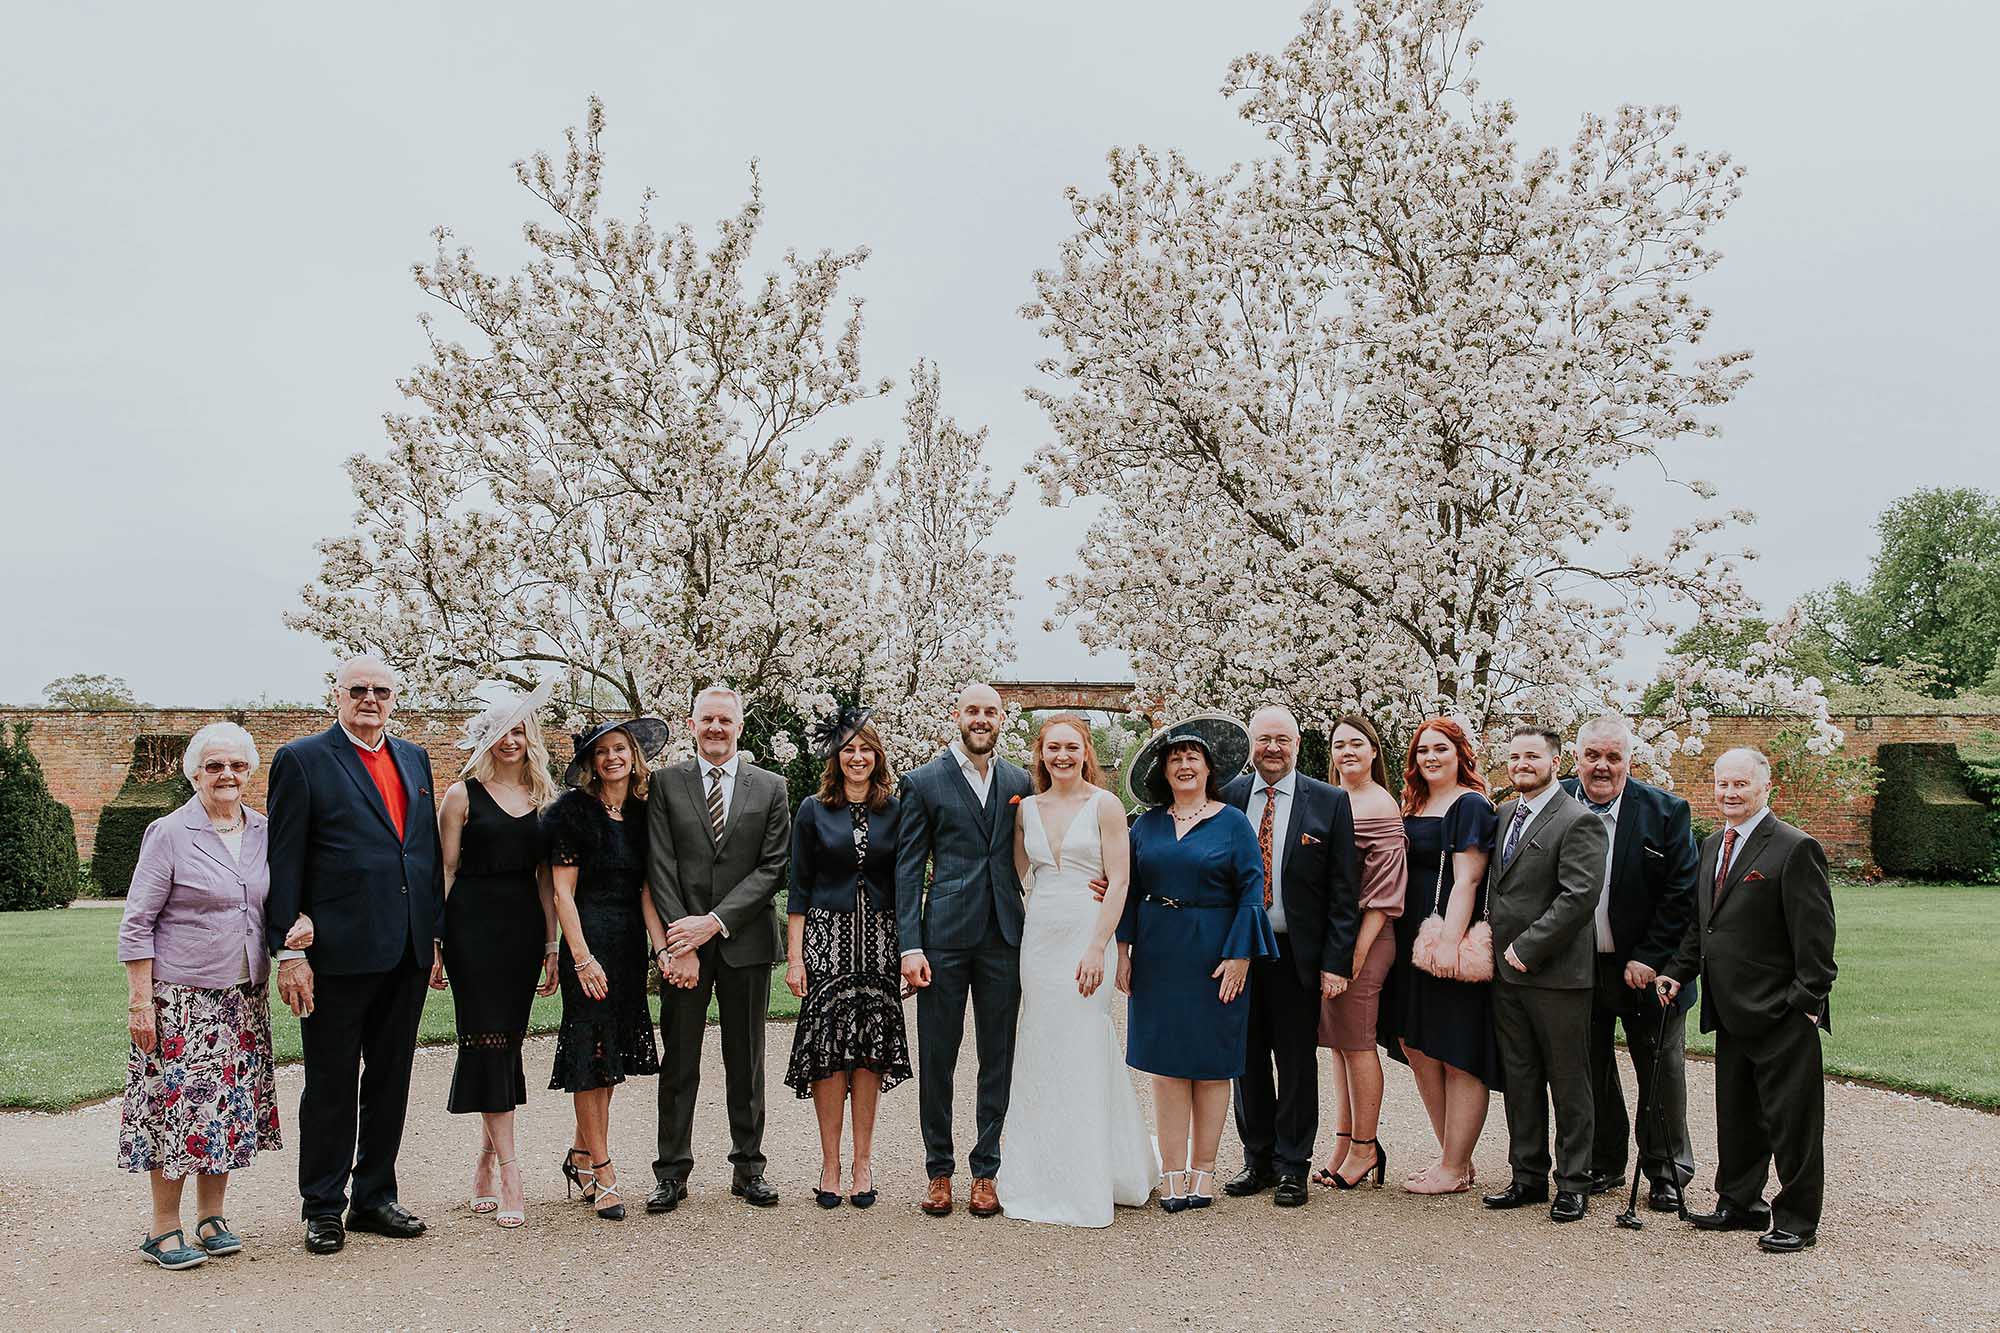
[(1762, 944), (1305, 830)]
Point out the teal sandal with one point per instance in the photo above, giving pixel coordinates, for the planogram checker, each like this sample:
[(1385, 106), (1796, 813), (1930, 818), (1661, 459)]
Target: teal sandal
[(219, 1241), (182, 1255)]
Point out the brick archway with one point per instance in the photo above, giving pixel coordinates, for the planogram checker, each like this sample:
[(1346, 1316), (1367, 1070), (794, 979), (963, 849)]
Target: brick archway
[(1104, 696)]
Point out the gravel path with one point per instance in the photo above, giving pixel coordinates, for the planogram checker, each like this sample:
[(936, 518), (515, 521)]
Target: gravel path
[(1906, 1244)]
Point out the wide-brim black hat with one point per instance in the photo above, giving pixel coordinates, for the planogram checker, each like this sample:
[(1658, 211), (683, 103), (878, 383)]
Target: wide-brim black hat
[(649, 737), (1222, 738), (831, 734)]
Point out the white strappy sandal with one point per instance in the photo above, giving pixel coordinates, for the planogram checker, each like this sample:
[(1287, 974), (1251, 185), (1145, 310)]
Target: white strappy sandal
[(482, 1204), (508, 1218)]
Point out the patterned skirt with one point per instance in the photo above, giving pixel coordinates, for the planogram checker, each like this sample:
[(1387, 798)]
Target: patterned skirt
[(206, 1099), (852, 1014)]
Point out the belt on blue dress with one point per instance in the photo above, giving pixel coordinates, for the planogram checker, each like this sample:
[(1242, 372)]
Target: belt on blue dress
[(1163, 900)]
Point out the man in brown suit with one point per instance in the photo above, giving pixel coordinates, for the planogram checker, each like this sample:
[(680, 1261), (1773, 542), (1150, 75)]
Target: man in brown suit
[(1762, 944)]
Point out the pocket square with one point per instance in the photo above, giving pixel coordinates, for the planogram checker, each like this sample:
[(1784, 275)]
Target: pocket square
[(1753, 877), (1308, 840), (1653, 851)]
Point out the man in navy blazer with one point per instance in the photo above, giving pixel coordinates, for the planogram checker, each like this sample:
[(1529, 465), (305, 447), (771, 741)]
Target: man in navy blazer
[(959, 929), (1647, 904), (354, 847), (1305, 828)]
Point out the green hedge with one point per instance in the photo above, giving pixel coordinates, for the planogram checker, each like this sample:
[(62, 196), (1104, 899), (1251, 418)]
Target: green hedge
[(38, 866), (154, 786), (1980, 762), (1927, 824)]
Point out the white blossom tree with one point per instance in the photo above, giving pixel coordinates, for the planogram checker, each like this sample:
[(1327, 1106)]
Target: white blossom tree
[(949, 597), (1358, 409), (604, 481)]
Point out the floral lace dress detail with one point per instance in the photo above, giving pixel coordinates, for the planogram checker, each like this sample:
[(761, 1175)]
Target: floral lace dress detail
[(602, 1042), (852, 1014)]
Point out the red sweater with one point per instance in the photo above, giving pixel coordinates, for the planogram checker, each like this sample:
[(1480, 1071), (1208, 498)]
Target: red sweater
[(381, 766)]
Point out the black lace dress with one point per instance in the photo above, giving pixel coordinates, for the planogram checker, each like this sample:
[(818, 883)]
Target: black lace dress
[(604, 1041), (493, 951), (852, 1014)]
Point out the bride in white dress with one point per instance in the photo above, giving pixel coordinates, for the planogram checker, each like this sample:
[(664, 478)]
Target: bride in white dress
[(1075, 1143)]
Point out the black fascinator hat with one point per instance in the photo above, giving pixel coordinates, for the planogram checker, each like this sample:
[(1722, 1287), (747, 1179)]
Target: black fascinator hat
[(830, 734), (649, 738)]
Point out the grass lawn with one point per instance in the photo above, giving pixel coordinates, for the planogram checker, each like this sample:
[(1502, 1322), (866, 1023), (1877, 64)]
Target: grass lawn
[(62, 1010), (1913, 1007)]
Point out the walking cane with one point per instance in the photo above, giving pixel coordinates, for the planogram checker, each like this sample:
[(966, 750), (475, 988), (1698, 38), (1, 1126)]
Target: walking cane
[(1630, 1219)]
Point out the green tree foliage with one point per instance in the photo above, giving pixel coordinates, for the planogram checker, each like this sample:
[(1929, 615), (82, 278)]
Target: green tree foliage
[(88, 690), (38, 865), (1932, 594)]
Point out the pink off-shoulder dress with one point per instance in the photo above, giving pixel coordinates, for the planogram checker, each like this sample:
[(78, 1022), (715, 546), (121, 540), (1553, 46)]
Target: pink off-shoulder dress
[(1348, 1022)]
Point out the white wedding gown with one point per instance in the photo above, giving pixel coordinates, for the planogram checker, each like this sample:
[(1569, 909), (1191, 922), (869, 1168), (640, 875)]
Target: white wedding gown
[(1075, 1144)]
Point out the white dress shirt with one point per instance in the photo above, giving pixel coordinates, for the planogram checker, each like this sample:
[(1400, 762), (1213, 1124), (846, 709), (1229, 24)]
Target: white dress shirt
[(981, 783), (1610, 818), (1282, 792), (1743, 829)]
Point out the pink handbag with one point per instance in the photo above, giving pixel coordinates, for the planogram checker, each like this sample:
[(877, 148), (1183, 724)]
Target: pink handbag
[(1475, 948)]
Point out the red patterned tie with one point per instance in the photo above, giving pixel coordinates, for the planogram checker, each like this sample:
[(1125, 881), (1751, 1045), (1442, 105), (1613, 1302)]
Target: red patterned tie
[(1722, 866), (1264, 837)]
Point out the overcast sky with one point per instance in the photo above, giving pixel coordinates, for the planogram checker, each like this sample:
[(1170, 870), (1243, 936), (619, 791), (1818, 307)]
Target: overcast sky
[(209, 212)]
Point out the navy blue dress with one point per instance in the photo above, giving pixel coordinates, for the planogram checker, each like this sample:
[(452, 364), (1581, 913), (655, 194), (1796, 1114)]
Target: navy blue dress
[(1176, 1024), (1450, 1021)]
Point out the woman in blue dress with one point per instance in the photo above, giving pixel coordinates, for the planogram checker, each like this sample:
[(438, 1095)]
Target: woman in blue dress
[(1194, 918)]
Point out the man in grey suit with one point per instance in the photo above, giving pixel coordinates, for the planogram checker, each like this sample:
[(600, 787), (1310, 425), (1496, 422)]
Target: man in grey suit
[(718, 832), (963, 936), (1541, 894)]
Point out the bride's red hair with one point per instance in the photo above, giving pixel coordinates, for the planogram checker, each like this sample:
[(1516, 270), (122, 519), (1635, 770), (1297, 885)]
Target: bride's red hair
[(1093, 772)]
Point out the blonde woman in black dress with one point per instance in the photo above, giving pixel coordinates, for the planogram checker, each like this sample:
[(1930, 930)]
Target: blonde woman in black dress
[(500, 931)]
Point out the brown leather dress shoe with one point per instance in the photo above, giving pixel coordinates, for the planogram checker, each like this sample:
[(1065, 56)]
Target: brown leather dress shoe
[(937, 1199), (985, 1201)]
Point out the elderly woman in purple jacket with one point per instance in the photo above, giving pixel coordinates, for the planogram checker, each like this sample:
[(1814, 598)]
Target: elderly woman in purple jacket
[(200, 1090)]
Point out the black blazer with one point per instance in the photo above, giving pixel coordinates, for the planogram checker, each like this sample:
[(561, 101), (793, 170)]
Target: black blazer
[(823, 863), (335, 857), (1319, 876), (1767, 951), (1654, 863)]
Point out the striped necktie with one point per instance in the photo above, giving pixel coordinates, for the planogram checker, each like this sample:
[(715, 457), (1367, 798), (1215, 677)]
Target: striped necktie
[(715, 802)]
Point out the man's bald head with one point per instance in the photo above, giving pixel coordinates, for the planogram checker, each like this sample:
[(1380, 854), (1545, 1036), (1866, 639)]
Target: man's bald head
[(979, 714)]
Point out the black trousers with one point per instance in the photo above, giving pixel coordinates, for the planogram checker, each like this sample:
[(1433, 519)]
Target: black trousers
[(359, 1042), (991, 974), (1278, 1124), (742, 1004), (1770, 1106), (1544, 1038), (1665, 1154)]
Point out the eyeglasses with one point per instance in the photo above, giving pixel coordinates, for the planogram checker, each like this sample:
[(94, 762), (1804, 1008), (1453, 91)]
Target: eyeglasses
[(382, 692), (215, 766)]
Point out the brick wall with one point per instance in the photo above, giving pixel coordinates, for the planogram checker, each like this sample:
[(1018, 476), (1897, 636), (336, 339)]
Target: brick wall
[(85, 754)]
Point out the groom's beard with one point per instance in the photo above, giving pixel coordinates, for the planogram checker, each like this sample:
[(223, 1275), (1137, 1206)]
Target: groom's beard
[(978, 742)]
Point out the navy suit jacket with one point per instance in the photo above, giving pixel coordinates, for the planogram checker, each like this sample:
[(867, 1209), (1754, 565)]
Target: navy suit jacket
[(1319, 877), (1654, 863), (373, 898), (968, 851)]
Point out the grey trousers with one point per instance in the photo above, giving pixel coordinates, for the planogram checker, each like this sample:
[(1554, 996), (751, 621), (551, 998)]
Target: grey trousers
[(742, 1002), (1544, 1038)]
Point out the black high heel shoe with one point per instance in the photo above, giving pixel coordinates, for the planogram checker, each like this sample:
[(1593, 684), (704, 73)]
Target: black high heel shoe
[(604, 1199), (570, 1172), (1324, 1176), (1380, 1170), (864, 1198)]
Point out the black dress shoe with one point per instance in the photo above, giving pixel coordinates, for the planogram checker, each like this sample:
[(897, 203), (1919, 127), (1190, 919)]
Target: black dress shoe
[(1728, 1217), (1291, 1192), (1664, 1197), (324, 1235), (1570, 1206), (1787, 1242), (1603, 1182), (754, 1191), (666, 1196), (1249, 1181), (1516, 1195), (389, 1219)]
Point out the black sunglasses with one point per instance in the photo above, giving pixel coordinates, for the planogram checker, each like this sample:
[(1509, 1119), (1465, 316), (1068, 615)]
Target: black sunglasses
[(382, 692)]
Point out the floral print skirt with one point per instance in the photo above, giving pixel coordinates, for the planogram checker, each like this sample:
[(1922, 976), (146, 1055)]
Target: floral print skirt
[(852, 1014), (206, 1099)]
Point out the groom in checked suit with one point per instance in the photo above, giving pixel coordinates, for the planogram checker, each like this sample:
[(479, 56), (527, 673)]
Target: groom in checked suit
[(1305, 830), (1762, 944), (719, 830), (1647, 904), (960, 932), (1541, 895)]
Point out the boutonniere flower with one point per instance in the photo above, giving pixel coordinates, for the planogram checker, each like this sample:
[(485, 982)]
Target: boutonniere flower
[(1013, 800)]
